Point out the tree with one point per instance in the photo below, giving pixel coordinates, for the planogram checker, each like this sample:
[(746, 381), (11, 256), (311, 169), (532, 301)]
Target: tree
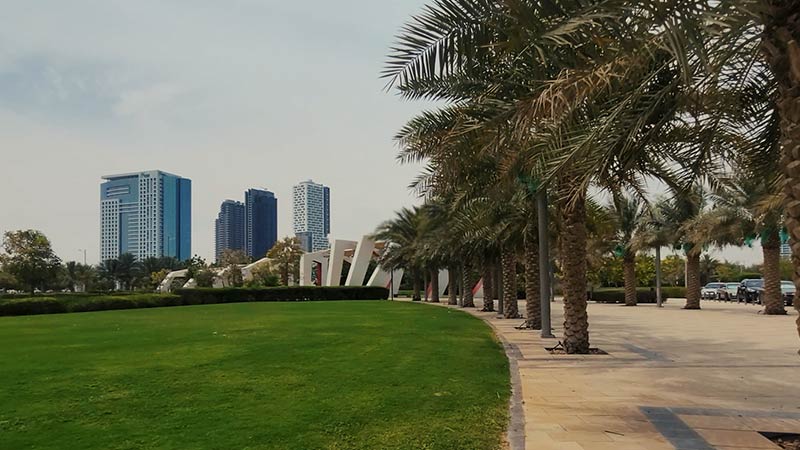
[(285, 255), (7, 281), (71, 274), (674, 268), (402, 235), (204, 278), (28, 256), (629, 214), (231, 256), (262, 275)]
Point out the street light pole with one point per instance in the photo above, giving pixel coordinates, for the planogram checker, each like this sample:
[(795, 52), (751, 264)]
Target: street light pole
[(658, 276), (544, 261)]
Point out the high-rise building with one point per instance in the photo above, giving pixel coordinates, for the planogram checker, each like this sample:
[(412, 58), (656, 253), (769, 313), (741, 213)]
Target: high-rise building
[(311, 208), (147, 214), (229, 227), (261, 222)]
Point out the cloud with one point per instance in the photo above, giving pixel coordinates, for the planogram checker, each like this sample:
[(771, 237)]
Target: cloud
[(148, 101)]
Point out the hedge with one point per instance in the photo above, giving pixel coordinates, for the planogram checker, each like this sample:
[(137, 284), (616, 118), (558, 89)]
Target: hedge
[(73, 303), (643, 295), (200, 296)]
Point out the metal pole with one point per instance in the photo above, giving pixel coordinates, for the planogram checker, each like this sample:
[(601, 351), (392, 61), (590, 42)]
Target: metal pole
[(391, 285), (544, 262), (658, 276)]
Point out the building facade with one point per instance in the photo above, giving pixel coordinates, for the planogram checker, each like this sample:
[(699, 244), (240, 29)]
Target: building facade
[(229, 228), (147, 214), (311, 215), (261, 222)]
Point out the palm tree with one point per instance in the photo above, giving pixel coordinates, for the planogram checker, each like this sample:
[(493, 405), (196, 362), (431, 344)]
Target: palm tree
[(403, 234), (71, 272), (629, 213)]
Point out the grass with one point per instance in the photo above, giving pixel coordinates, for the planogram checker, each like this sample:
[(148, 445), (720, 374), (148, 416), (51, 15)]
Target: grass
[(317, 375)]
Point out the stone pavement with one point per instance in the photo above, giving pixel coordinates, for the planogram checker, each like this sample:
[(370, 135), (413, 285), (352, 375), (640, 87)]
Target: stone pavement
[(672, 379)]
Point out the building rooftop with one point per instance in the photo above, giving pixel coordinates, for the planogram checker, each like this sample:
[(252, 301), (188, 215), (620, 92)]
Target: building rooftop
[(136, 174)]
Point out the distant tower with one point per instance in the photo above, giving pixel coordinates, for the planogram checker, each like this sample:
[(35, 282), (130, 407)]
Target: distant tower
[(147, 214), (311, 208), (261, 222), (229, 227)]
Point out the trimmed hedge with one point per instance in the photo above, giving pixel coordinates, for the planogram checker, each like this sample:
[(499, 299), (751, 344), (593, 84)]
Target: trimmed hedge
[(643, 295), (201, 296), (618, 296), (73, 303)]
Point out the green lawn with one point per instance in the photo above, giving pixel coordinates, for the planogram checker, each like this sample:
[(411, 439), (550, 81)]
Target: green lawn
[(327, 375)]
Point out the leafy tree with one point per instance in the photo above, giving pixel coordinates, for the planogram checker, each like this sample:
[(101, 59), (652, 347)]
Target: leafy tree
[(28, 256), (645, 270), (194, 265), (231, 256), (285, 255), (7, 281), (674, 269), (232, 275), (204, 278), (156, 278), (263, 276), (71, 274)]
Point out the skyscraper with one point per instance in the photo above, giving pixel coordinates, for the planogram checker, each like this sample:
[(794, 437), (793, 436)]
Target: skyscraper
[(311, 208), (229, 227), (261, 222), (147, 214)]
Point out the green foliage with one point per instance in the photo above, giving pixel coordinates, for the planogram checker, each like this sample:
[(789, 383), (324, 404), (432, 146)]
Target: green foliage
[(204, 278), (673, 270), (618, 296), (645, 270), (285, 257), (233, 276), (263, 276), (7, 281), (231, 256), (161, 379), (82, 303), (29, 258), (281, 294)]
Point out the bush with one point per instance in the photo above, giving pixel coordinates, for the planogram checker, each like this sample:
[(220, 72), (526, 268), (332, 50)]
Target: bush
[(673, 292), (618, 296), (84, 303), (65, 303), (202, 296), (31, 305)]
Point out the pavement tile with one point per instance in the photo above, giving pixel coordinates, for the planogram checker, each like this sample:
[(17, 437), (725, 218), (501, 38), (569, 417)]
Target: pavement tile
[(717, 422), (732, 438)]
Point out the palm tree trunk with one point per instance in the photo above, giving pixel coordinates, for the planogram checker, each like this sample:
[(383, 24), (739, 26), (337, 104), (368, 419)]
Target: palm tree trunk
[(772, 299), (468, 282), (498, 278), (533, 303), (508, 261), (779, 44), (415, 297), (425, 284), (451, 286), (629, 274), (434, 285), (488, 288), (576, 318), (692, 280)]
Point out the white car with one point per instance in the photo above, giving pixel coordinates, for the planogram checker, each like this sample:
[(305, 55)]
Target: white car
[(709, 291), (728, 292)]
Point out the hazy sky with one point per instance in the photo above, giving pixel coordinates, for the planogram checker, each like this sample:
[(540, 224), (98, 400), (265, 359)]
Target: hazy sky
[(232, 94)]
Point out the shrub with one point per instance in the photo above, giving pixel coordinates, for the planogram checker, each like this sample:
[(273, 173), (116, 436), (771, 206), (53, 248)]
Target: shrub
[(31, 305), (64, 303), (618, 296), (673, 292), (202, 296)]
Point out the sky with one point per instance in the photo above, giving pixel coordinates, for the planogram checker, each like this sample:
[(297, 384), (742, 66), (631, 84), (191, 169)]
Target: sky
[(233, 95)]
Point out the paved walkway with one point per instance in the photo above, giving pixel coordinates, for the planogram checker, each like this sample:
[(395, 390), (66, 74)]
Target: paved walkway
[(673, 379)]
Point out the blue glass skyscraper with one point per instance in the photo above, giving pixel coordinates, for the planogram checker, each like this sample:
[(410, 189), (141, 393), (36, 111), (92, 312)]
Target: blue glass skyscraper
[(147, 214), (261, 222), (229, 227)]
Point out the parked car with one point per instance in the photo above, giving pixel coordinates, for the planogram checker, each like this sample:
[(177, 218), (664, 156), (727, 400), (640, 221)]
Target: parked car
[(728, 292), (788, 290), (709, 291), (749, 290)]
